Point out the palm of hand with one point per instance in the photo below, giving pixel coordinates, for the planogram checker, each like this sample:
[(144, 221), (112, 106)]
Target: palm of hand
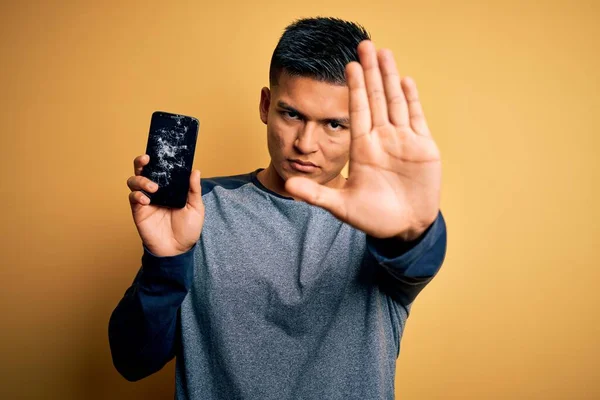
[(394, 180), (168, 231), (393, 175)]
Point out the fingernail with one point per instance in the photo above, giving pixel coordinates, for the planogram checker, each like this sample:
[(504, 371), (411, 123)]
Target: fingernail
[(152, 186)]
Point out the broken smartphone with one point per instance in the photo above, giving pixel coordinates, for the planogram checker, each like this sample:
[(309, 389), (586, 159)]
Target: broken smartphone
[(171, 146)]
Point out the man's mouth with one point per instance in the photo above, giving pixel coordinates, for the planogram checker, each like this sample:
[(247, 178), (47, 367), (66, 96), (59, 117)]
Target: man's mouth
[(303, 166), (308, 163)]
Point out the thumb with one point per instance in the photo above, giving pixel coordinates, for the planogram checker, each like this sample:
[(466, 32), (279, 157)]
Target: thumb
[(195, 192), (316, 194)]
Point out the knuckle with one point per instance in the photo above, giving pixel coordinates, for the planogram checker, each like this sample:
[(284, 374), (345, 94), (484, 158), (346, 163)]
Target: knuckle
[(397, 99), (316, 196), (413, 98), (149, 184), (377, 95), (359, 108), (135, 182)]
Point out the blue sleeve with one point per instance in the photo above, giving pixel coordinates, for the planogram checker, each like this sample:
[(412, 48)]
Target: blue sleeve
[(407, 267), (143, 327)]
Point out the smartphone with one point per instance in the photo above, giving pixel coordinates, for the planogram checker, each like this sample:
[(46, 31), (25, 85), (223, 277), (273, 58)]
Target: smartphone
[(171, 146)]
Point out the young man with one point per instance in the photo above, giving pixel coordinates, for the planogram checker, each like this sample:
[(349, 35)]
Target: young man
[(292, 282)]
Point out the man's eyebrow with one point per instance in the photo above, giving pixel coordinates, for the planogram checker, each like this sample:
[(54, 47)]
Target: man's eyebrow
[(340, 121)]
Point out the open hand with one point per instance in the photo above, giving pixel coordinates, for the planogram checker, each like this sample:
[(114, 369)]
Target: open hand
[(394, 177)]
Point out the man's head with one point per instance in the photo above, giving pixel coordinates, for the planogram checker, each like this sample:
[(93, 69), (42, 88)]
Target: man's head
[(306, 107)]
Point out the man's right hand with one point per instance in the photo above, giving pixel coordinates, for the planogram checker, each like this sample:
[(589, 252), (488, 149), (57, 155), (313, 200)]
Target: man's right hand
[(165, 231)]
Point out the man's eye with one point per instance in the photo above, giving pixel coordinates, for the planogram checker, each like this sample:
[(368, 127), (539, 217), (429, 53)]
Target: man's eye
[(336, 125), (290, 114)]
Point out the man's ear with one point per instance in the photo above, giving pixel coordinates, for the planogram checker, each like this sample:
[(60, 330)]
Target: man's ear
[(265, 102)]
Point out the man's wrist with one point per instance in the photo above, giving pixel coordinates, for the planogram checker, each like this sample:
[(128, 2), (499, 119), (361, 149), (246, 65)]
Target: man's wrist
[(172, 253), (410, 235), (414, 233)]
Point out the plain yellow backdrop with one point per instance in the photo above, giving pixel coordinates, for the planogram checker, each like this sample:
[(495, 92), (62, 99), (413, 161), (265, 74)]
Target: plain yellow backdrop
[(511, 93)]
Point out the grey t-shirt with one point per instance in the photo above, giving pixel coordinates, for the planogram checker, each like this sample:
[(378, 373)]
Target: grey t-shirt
[(277, 300)]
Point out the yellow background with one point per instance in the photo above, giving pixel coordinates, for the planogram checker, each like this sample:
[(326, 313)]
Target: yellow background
[(511, 92)]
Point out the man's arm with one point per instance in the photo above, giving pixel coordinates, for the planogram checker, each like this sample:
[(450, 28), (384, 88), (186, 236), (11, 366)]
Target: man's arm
[(410, 266), (142, 329), (395, 168)]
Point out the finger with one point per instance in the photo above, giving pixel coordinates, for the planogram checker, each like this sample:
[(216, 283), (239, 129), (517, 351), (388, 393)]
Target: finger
[(319, 195), (377, 102), (195, 192), (138, 197), (396, 102), (139, 162), (360, 115), (415, 110), (141, 183)]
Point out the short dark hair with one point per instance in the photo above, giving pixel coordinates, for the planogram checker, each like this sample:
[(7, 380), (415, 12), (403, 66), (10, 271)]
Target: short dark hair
[(318, 48)]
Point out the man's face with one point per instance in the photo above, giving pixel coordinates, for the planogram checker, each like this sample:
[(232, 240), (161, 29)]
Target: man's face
[(307, 123)]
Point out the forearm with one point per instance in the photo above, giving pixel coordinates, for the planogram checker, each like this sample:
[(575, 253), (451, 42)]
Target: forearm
[(143, 326)]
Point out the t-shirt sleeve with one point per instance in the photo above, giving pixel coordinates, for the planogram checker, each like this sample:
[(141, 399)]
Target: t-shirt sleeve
[(409, 266), (143, 327)]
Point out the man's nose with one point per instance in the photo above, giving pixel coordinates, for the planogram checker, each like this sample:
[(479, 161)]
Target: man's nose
[(306, 141)]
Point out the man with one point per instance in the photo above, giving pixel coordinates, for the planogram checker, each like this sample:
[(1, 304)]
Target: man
[(292, 282)]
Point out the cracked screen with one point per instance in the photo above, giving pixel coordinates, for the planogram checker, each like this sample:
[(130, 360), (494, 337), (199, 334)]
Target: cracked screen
[(171, 146)]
